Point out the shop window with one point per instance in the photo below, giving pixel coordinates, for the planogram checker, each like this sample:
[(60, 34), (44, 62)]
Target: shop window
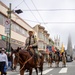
[(1, 19)]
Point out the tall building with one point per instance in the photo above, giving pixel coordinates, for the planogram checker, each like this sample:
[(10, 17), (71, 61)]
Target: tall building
[(69, 46), (57, 42)]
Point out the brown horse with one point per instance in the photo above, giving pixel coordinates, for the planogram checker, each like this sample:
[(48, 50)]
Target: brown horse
[(26, 61), (50, 60), (64, 59), (54, 57), (57, 59)]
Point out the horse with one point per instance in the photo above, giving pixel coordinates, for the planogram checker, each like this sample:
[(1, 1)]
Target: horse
[(53, 57), (64, 59), (50, 59), (57, 58), (26, 61)]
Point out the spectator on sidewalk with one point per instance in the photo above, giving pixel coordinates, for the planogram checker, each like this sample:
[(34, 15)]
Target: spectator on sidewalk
[(9, 61), (3, 61)]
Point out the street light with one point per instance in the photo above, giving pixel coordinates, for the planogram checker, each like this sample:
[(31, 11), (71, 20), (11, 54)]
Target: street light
[(18, 11), (8, 44)]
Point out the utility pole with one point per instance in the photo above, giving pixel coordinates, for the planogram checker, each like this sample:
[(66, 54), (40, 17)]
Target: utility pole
[(8, 44), (9, 34)]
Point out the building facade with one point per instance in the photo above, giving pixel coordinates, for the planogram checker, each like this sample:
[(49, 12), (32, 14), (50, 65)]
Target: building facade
[(57, 42), (42, 37), (51, 42), (19, 28)]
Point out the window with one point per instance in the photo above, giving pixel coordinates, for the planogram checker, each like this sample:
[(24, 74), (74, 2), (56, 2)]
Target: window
[(23, 31), (1, 19), (41, 36), (13, 26), (17, 28), (40, 45)]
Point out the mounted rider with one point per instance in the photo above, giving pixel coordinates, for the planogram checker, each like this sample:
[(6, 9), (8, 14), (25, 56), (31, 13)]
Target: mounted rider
[(31, 43)]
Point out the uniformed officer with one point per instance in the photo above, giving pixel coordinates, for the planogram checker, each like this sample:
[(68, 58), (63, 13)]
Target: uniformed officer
[(31, 42), (3, 61)]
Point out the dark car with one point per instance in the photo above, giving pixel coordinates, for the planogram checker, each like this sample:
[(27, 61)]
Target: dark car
[(69, 59)]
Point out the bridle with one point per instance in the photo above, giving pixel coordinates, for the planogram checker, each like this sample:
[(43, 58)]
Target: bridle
[(20, 60)]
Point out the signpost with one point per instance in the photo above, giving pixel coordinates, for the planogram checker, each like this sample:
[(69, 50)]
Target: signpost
[(7, 26), (8, 29)]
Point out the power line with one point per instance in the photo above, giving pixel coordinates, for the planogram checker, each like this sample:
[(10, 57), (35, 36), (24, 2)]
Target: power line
[(43, 10), (46, 21), (60, 22), (39, 14), (37, 10), (18, 5), (30, 10), (51, 22)]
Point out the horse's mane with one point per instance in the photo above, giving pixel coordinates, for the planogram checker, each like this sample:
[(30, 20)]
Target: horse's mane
[(24, 53)]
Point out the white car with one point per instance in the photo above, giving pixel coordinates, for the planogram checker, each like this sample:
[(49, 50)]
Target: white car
[(69, 58)]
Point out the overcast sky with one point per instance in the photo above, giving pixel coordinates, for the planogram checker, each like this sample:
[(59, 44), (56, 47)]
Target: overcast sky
[(58, 22)]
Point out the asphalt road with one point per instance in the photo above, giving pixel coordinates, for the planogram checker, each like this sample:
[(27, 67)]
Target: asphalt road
[(68, 70)]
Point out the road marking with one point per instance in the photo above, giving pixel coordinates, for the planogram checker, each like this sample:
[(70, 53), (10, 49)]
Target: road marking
[(63, 70), (46, 71), (27, 72)]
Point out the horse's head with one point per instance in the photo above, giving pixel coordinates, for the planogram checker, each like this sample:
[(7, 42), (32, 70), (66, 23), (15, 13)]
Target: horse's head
[(15, 57)]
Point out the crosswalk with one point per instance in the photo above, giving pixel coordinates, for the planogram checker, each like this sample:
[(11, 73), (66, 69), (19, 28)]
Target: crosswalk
[(46, 71), (63, 70)]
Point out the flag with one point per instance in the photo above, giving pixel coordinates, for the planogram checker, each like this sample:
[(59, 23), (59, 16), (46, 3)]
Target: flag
[(53, 49), (50, 48), (62, 48), (47, 50)]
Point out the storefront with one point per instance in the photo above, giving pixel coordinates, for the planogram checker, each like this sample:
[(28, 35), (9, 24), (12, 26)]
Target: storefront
[(14, 43)]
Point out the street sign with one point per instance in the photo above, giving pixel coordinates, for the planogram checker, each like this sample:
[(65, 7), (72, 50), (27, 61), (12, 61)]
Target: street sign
[(7, 26)]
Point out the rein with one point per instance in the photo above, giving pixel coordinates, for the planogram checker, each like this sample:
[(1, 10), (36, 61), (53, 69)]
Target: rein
[(24, 62)]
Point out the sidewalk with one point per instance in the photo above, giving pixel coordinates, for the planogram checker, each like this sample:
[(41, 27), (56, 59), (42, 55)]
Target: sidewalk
[(11, 71)]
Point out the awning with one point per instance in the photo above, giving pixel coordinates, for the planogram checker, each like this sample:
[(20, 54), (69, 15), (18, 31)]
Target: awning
[(3, 45)]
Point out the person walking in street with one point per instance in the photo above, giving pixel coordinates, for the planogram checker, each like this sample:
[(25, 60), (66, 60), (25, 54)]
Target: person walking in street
[(3, 61)]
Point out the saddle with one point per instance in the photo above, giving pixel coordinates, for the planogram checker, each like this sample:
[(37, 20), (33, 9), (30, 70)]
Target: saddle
[(32, 53)]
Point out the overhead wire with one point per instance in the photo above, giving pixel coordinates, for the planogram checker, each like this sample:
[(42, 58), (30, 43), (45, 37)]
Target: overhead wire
[(39, 14), (46, 22), (31, 11), (51, 10), (18, 5)]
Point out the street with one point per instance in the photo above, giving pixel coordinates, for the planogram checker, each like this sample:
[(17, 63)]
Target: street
[(68, 70)]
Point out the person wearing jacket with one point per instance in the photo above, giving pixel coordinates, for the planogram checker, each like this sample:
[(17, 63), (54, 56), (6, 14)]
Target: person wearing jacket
[(3, 61)]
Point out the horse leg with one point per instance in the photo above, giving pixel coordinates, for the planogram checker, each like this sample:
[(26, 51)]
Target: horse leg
[(30, 71), (36, 71), (41, 69), (22, 72), (50, 64), (58, 64), (64, 63)]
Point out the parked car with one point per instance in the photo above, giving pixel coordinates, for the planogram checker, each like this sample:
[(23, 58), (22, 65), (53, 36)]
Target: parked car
[(69, 59)]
